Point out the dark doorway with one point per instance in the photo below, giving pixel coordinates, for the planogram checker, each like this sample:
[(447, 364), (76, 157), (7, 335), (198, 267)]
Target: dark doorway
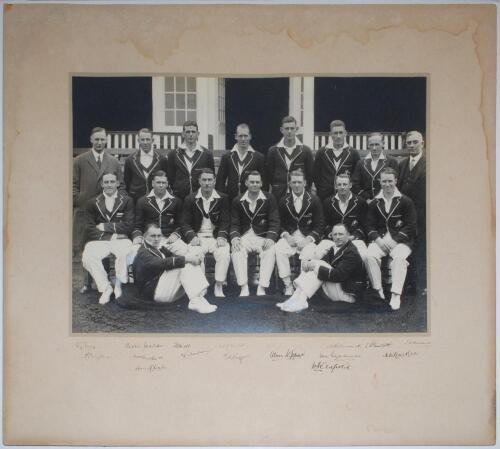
[(115, 103), (370, 103), (259, 102)]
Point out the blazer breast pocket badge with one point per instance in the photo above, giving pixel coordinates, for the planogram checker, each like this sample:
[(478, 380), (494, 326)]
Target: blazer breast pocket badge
[(398, 224)]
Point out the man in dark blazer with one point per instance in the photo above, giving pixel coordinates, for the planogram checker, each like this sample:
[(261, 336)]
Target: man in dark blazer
[(162, 208), (255, 224), (88, 169), (185, 163), (109, 219), (140, 165), (334, 158), (287, 155), (237, 163), (411, 182), (205, 224), (164, 277), (301, 218), (340, 274), (344, 208), (391, 224), (366, 176)]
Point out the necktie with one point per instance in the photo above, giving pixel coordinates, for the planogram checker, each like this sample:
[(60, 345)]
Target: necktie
[(412, 164), (99, 161)]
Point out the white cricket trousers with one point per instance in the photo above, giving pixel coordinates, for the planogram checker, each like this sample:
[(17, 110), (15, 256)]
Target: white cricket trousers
[(284, 251), (173, 283), (309, 283), (251, 243), (97, 250), (398, 264), (221, 255), (324, 246)]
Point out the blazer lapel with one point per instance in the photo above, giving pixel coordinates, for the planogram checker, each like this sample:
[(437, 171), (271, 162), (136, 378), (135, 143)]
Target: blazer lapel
[(352, 204), (92, 162), (394, 204), (101, 207), (180, 157), (306, 202)]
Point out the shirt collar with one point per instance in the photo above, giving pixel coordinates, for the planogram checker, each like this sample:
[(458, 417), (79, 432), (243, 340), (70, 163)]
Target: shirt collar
[(416, 158), (382, 156), (348, 199), (281, 143), (212, 196), (250, 149), (246, 198), (329, 145), (183, 147), (380, 194), (96, 154), (167, 195), (114, 196), (298, 197), (144, 154)]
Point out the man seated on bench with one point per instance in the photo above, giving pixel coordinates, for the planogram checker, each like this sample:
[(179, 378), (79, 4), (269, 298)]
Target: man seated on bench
[(109, 219), (391, 223), (301, 217), (165, 210), (340, 274), (205, 224), (255, 224), (164, 277)]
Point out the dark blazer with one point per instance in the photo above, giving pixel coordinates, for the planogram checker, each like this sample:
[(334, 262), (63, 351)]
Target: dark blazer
[(365, 181), (168, 218), (354, 216), (401, 221), (119, 221), (180, 179), (325, 171), (412, 184), (277, 170), (87, 176), (136, 182), (346, 268), (149, 264), (193, 213), (265, 220), (309, 220), (229, 179)]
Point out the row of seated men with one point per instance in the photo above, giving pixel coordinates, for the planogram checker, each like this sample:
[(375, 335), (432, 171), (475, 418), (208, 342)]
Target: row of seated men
[(170, 239)]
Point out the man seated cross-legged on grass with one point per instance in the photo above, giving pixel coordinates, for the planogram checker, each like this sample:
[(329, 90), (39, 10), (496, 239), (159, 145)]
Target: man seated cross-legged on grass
[(164, 277)]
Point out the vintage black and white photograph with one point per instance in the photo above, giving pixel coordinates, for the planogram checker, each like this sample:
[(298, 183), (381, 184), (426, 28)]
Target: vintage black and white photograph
[(249, 204)]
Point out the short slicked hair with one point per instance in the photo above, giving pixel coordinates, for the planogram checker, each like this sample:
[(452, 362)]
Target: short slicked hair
[(189, 123), (97, 129), (337, 123), (158, 174), (389, 171), (288, 119)]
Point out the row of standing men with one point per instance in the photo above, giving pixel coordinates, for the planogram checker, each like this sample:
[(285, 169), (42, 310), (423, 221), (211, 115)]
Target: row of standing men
[(235, 166)]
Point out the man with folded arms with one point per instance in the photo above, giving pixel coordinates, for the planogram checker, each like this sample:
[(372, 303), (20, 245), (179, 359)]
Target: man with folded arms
[(255, 224), (346, 208), (205, 224), (301, 217), (164, 277), (109, 220), (340, 274), (165, 210), (391, 224)]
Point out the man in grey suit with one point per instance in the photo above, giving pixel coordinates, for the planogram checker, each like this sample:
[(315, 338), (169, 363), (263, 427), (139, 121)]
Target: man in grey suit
[(88, 169)]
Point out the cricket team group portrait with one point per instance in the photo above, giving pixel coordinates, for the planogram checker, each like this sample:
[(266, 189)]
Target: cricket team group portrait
[(314, 232)]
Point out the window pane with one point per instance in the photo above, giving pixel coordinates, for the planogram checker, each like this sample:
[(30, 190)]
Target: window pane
[(191, 84), (191, 101), (169, 118), (180, 83), (180, 117), (180, 101), (191, 115), (169, 101), (169, 84)]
